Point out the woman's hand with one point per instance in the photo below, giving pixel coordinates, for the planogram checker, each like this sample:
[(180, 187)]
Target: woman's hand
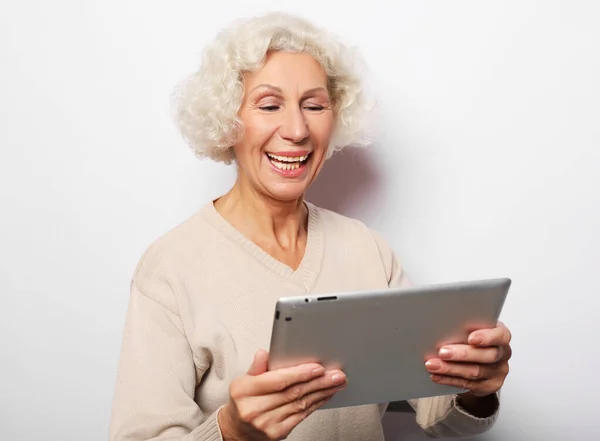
[(269, 405), (480, 366)]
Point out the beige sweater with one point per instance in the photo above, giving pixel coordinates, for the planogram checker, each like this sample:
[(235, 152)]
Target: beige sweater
[(202, 302)]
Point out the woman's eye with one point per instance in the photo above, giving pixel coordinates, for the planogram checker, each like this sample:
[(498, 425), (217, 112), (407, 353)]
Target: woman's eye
[(271, 108), (314, 108)]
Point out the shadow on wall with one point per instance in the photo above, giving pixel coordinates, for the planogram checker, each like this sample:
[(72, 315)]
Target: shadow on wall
[(349, 184)]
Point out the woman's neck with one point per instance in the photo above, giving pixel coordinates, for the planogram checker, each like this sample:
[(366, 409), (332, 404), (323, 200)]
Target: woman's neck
[(276, 226)]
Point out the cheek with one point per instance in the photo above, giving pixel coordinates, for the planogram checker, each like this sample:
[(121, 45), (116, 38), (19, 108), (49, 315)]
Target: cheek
[(254, 139), (258, 130), (323, 130)]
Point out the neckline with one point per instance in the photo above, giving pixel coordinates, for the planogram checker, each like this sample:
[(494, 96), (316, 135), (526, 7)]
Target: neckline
[(310, 266)]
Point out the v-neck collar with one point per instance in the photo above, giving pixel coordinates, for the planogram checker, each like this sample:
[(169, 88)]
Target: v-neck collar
[(307, 272)]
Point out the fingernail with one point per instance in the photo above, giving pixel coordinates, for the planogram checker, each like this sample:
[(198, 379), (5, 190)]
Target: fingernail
[(475, 340), (445, 352), (433, 365), (318, 371), (341, 385), (338, 378)]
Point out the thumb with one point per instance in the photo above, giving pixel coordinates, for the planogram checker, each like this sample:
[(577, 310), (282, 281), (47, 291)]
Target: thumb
[(260, 363)]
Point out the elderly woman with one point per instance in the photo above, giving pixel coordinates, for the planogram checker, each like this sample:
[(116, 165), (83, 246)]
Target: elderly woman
[(277, 96)]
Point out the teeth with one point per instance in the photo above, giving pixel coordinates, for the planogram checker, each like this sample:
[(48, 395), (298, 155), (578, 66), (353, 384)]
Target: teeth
[(287, 158), (281, 166)]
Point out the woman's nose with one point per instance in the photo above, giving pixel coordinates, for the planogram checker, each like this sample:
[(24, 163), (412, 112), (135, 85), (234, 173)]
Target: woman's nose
[(294, 127)]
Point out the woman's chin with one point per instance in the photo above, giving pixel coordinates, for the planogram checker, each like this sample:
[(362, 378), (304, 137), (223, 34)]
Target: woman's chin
[(288, 191)]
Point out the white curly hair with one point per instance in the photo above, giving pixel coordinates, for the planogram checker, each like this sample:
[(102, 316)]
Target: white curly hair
[(206, 103)]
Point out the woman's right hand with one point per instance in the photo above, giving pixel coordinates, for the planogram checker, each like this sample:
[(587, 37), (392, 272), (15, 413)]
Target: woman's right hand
[(268, 405)]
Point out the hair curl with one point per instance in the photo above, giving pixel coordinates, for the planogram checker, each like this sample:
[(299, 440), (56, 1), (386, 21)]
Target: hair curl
[(206, 103)]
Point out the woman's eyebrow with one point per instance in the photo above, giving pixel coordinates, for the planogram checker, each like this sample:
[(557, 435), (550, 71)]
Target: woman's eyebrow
[(279, 91), (316, 89), (268, 86)]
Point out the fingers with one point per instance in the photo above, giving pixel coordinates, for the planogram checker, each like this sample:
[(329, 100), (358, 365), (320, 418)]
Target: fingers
[(480, 366), (479, 378), (259, 364), (469, 371), (470, 354), (299, 396), (302, 395), (282, 429), (498, 336), (302, 405), (272, 403), (476, 387), (277, 380), (275, 415)]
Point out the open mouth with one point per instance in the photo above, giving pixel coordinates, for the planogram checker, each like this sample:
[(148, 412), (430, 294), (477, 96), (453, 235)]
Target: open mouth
[(288, 162)]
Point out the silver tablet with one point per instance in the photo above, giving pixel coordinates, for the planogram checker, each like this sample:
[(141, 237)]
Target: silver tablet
[(381, 339)]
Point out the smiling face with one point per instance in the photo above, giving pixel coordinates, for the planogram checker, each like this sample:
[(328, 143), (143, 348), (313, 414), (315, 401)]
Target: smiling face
[(288, 121)]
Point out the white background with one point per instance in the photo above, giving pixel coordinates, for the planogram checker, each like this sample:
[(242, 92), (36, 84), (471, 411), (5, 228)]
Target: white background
[(488, 164)]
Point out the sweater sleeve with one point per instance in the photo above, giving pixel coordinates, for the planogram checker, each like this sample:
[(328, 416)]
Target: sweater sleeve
[(439, 416), (157, 376)]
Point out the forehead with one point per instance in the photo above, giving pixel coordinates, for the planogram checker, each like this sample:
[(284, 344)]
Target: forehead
[(291, 72)]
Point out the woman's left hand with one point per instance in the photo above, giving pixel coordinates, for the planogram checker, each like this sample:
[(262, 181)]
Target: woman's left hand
[(480, 366)]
